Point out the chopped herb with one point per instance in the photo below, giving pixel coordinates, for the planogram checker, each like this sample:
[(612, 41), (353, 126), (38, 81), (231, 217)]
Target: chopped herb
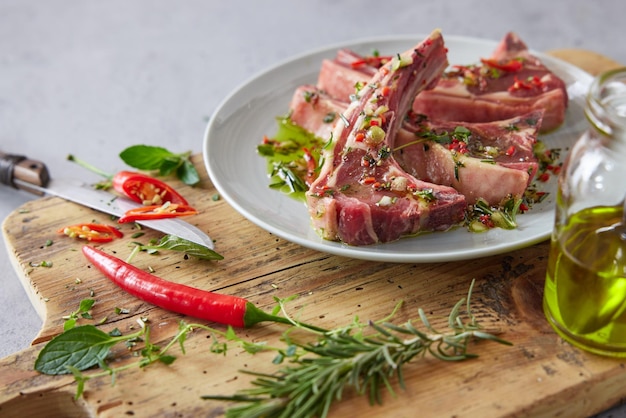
[(330, 117), (40, 264), (426, 194)]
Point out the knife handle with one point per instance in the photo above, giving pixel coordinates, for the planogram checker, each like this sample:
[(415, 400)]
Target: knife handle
[(18, 167)]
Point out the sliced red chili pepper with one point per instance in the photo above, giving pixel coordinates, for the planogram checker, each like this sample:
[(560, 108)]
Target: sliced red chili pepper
[(179, 298), (145, 189), (167, 210), (92, 232), (509, 66)]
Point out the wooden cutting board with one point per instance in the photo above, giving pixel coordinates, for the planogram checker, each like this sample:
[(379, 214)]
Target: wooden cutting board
[(540, 375)]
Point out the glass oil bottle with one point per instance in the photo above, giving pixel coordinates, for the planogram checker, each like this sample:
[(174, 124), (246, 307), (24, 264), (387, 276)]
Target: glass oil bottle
[(585, 289)]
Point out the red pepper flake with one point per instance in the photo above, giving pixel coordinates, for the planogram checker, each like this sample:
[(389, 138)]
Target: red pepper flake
[(486, 220), (510, 66), (510, 151), (371, 60), (359, 137), (369, 180), (530, 83), (544, 177), (458, 146), (374, 122), (385, 91)]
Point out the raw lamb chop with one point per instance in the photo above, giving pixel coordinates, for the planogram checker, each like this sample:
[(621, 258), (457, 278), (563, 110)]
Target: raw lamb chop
[(496, 162), (492, 161), (362, 196), (510, 83), (338, 77)]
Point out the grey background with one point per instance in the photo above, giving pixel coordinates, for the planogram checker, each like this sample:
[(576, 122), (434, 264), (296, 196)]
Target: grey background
[(93, 77)]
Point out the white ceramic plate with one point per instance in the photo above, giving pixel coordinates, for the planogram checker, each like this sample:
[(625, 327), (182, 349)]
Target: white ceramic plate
[(240, 176)]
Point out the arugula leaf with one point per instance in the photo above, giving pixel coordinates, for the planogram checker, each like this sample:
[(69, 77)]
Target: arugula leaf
[(150, 158), (79, 347)]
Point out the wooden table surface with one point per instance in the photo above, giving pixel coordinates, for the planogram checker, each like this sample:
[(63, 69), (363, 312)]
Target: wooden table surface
[(540, 375)]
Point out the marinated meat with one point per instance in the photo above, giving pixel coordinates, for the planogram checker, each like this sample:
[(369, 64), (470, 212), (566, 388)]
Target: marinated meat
[(511, 82), (495, 160), (362, 195)]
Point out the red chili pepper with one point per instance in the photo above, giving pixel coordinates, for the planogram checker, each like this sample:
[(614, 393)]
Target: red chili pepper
[(509, 66), (92, 232), (145, 189), (167, 210), (176, 297)]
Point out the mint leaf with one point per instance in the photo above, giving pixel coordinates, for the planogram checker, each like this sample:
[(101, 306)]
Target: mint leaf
[(169, 166), (188, 173), (146, 157), (79, 347)]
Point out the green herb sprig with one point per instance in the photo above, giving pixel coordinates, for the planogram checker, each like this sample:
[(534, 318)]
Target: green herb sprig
[(174, 243), (82, 312), (503, 216), (153, 158), (363, 356)]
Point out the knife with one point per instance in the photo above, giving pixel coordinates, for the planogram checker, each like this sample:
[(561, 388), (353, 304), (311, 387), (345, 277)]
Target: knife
[(33, 176)]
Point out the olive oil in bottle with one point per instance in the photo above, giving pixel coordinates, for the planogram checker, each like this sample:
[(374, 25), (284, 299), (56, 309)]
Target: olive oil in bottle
[(585, 288)]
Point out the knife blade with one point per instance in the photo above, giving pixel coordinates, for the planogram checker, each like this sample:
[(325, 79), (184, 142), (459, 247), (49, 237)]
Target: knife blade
[(33, 176)]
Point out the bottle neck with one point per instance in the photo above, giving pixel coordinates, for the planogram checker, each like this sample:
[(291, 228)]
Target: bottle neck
[(606, 105)]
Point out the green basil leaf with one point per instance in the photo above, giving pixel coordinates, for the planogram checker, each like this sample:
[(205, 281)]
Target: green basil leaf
[(188, 173), (80, 347), (171, 242), (145, 157)]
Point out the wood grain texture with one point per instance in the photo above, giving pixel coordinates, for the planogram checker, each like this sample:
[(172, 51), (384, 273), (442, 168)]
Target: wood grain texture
[(540, 375)]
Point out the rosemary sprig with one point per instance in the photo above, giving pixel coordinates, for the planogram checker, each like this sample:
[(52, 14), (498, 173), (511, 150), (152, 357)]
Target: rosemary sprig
[(363, 356)]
